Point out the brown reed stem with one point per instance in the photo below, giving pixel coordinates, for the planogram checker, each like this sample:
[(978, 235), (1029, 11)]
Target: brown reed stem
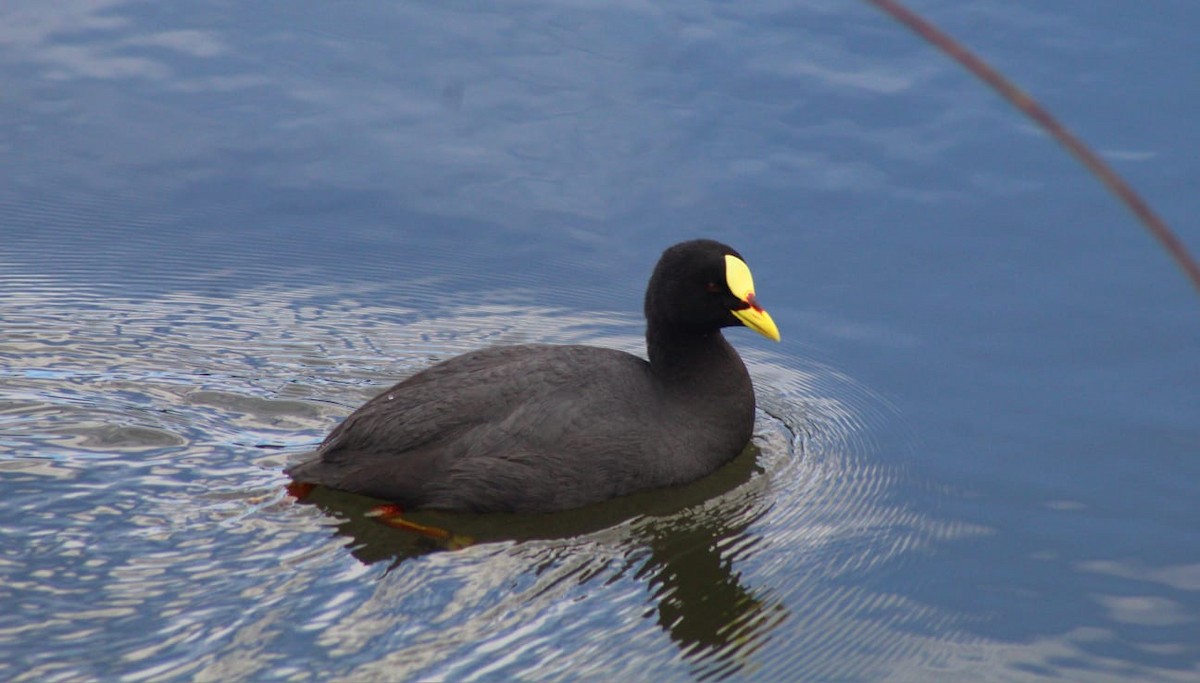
[(1023, 101)]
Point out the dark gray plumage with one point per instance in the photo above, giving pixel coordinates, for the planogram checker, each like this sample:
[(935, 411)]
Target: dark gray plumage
[(540, 428)]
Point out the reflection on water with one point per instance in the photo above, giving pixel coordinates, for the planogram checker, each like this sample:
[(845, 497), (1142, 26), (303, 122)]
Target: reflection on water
[(147, 440), (143, 444), (702, 602), (685, 539)]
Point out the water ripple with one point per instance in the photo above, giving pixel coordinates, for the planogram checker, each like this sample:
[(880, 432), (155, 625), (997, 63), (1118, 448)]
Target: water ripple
[(144, 445)]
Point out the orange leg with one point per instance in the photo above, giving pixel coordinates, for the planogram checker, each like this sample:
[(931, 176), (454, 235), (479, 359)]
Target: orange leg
[(391, 515)]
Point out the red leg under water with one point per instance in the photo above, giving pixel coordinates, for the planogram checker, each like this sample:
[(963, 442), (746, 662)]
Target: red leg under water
[(299, 489), (392, 515)]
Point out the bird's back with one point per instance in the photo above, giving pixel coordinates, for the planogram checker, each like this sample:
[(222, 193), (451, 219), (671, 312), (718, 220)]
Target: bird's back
[(533, 427)]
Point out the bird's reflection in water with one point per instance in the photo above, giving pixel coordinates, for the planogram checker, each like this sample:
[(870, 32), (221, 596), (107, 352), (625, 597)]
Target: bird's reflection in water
[(686, 540)]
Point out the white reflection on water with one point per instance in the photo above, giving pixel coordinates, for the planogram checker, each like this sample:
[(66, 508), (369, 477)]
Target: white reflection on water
[(143, 443), (147, 439)]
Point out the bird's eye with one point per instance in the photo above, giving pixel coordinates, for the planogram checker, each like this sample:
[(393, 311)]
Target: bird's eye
[(713, 287)]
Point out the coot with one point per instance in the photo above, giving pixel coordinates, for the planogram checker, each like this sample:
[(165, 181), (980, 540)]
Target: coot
[(538, 428)]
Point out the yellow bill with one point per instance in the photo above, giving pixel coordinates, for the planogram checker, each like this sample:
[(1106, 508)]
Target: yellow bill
[(741, 283)]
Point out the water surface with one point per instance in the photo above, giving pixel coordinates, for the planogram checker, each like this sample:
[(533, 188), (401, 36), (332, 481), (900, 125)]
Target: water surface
[(223, 228)]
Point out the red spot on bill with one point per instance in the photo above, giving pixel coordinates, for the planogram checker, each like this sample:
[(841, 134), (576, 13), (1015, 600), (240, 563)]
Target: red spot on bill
[(750, 299)]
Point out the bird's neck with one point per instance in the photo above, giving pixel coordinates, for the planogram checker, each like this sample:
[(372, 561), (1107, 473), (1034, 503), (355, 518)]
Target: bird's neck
[(686, 358), (703, 376)]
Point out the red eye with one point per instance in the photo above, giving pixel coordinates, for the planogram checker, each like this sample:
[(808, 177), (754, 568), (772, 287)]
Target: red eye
[(713, 287)]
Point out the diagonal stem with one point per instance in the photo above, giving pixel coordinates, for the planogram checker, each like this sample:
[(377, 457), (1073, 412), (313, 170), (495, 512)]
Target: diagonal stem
[(1021, 100)]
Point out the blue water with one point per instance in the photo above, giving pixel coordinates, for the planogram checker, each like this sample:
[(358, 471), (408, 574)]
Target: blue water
[(222, 227)]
